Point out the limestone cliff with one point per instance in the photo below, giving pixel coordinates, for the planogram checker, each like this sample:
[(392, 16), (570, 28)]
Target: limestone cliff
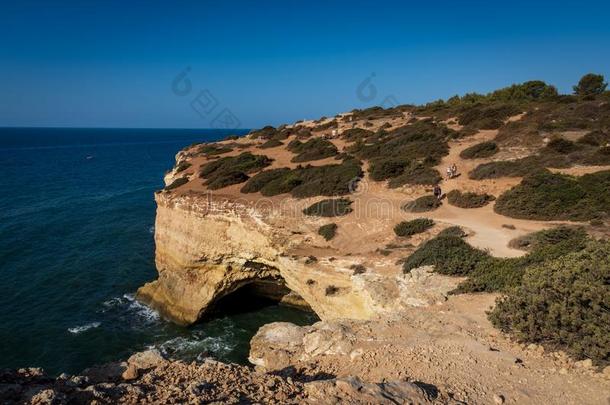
[(208, 246)]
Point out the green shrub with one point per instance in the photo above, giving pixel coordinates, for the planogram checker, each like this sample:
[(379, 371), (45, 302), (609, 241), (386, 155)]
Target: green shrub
[(313, 149), (416, 147), (358, 268), (468, 199), (385, 168), (329, 208), (453, 231), (487, 117), (328, 125), (328, 231), (480, 150), (377, 112), (232, 170), (328, 180), (558, 154), (423, 204), (416, 174), (211, 149), (355, 134), (497, 274), (561, 145), (550, 196), (595, 138), (504, 168), (271, 143), (449, 255), (261, 179), (267, 132), (177, 183), (590, 84), (408, 228), (226, 179), (600, 157), (452, 256), (563, 303), (309, 181)]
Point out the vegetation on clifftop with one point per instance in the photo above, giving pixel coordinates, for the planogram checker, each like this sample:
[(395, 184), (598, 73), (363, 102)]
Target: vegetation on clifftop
[(308, 181), (451, 255), (563, 303), (232, 170), (551, 196), (329, 208), (408, 228)]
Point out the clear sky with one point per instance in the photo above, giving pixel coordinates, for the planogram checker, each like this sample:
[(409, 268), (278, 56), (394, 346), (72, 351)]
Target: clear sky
[(112, 63)]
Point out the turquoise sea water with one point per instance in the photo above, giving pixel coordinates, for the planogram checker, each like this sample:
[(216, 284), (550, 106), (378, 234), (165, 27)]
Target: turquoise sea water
[(76, 241)]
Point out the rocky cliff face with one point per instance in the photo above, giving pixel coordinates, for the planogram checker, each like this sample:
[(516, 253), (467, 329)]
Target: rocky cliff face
[(208, 246)]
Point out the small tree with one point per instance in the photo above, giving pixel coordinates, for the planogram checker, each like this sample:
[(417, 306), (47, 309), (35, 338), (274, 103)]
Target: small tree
[(590, 84)]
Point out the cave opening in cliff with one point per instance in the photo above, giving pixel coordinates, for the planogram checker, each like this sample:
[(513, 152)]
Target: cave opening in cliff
[(257, 295)]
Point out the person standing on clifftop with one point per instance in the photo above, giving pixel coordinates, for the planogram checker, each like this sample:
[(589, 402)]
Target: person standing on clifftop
[(437, 192)]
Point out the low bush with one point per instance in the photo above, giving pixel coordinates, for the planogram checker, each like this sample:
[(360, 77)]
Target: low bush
[(355, 134), (600, 157), (423, 204), (415, 148), (480, 150), (329, 208), (385, 168), (449, 255), (177, 183), (377, 112), (309, 181), (232, 170), (261, 179), (271, 143), (468, 199), (502, 168), (222, 180), (211, 149), (453, 256), (487, 117), (524, 166), (358, 268), (563, 303), (327, 125), (550, 196), (453, 231), (313, 149), (595, 138), (561, 145), (416, 174), (267, 132), (328, 231), (408, 228)]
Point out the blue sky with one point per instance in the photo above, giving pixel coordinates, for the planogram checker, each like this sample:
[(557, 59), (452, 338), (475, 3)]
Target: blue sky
[(111, 63)]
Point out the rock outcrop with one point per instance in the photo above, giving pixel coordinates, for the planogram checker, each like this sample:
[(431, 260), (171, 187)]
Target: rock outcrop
[(160, 381), (208, 246)]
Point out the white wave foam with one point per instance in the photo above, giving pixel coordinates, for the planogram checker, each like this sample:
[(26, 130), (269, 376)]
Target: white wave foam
[(151, 230), (141, 310), (127, 305), (182, 347), (79, 329)]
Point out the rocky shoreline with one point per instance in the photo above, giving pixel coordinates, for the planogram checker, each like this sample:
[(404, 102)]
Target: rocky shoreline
[(148, 378)]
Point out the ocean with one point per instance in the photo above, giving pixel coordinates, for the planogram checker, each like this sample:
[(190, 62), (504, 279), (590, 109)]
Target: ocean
[(76, 241)]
